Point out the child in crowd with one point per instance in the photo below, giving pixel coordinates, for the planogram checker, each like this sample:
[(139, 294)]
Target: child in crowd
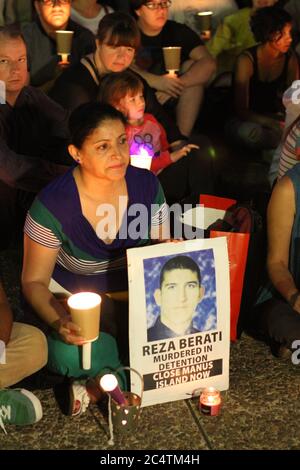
[(124, 91)]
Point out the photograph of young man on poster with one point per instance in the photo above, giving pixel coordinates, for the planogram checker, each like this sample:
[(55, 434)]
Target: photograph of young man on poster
[(177, 297)]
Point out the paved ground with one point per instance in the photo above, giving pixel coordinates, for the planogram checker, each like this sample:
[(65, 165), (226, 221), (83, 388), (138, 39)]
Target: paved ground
[(260, 410)]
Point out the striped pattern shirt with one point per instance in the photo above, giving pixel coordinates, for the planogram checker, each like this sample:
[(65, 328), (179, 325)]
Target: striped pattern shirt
[(84, 261), (288, 157)]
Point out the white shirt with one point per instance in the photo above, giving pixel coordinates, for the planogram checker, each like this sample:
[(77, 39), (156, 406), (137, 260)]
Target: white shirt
[(90, 23)]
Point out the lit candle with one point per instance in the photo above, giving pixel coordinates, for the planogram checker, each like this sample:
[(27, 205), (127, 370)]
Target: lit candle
[(64, 45), (143, 160), (172, 59), (85, 312), (110, 385), (210, 401)]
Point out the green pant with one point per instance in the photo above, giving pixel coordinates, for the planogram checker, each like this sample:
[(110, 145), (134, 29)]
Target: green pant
[(65, 359)]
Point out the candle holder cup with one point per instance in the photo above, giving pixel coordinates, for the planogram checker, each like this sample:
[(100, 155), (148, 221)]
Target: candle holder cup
[(64, 45), (124, 418)]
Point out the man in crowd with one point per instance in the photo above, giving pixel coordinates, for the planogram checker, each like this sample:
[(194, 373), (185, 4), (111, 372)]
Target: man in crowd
[(33, 135), (178, 296), (53, 15)]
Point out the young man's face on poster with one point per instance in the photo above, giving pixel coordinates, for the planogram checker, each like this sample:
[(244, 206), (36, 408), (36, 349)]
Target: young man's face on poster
[(178, 296)]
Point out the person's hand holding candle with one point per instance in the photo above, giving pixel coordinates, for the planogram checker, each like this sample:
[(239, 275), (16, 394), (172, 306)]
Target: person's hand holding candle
[(69, 332)]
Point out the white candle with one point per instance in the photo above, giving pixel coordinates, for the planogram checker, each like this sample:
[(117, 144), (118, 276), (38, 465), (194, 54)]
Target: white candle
[(110, 385)]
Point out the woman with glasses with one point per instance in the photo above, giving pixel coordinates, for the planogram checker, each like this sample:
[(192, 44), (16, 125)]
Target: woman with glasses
[(39, 35), (196, 66)]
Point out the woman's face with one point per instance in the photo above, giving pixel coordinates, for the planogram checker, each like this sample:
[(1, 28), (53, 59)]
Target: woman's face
[(115, 58), (105, 152), (282, 40)]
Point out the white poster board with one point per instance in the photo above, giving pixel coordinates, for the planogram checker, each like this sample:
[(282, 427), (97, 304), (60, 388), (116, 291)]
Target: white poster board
[(177, 365)]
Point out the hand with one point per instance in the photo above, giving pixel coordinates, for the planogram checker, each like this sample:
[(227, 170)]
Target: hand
[(205, 35), (170, 84), (178, 154), (69, 332), (294, 301)]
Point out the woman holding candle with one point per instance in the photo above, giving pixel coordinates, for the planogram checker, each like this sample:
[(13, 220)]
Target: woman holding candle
[(125, 91), (69, 236), (118, 39)]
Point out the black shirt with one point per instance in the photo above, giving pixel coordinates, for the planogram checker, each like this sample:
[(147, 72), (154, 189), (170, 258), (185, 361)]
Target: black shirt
[(33, 141), (160, 331), (150, 55), (41, 48), (76, 86)]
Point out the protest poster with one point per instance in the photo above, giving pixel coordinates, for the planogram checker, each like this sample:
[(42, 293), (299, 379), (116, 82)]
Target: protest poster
[(179, 318)]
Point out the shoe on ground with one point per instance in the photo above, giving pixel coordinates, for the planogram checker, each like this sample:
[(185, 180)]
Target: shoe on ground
[(20, 407), (79, 398)]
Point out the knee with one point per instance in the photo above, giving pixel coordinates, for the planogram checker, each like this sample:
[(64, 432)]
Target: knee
[(250, 133)]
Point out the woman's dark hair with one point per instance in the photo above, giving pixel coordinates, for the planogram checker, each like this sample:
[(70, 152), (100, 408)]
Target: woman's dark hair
[(115, 86), (119, 29), (87, 117), (268, 21)]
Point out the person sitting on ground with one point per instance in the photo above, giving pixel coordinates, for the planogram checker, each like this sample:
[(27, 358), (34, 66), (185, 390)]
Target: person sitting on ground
[(261, 76), (23, 351), (233, 35), (33, 135), (276, 315), (68, 237), (89, 13), (52, 15), (125, 92), (178, 296), (118, 39), (196, 65)]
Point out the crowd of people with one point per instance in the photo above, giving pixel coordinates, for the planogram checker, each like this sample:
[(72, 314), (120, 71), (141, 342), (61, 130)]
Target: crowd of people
[(66, 136)]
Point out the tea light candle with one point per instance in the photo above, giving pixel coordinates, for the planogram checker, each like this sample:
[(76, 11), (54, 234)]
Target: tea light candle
[(210, 401), (110, 385)]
